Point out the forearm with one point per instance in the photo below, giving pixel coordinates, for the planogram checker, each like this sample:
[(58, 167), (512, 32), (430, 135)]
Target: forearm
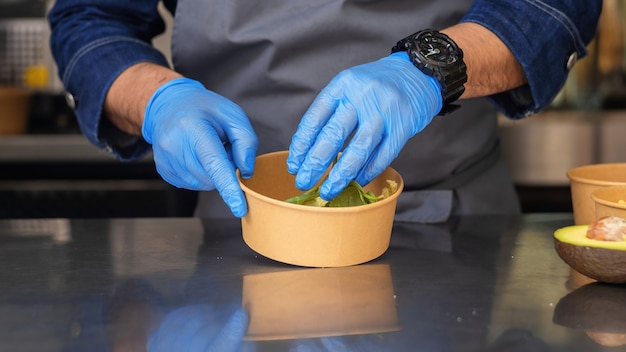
[(545, 37), (114, 35), (126, 100), (491, 66)]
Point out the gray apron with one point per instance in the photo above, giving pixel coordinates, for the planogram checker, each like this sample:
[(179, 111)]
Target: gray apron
[(272, 57)]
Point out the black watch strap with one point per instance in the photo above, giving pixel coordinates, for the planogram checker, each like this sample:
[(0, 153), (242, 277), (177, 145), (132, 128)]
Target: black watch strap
[(447, 65)]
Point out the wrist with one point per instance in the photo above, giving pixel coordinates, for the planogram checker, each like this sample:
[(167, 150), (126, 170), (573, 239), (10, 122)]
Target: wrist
[(126, 100), (161, 97), (491, 66), (437, 56), (421, 82)]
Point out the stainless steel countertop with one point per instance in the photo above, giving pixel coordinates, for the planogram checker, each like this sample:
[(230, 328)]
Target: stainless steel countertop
[(472, 284)]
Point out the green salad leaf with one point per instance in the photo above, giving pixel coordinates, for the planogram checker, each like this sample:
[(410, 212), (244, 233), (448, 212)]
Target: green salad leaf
[(351, 196)]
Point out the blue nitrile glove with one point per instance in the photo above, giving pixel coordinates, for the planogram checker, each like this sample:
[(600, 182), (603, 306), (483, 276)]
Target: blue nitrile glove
[(323, 344), (199, 328), (385, 103), (363, 343), (199, 138)]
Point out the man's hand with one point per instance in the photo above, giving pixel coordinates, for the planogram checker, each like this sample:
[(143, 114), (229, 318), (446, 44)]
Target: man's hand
[(199, 139), (381, 104)]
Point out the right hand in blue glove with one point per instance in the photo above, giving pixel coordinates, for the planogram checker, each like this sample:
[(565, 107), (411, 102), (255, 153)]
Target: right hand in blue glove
[(198, 140), (374, 108)]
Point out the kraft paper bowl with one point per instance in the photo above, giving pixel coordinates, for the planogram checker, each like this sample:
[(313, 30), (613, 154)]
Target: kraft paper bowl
[(14, 110), (584, 180), (610, 201), (313, 236)]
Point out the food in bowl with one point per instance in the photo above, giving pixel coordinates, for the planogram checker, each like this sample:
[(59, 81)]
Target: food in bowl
[(352, 195), (597, 250)]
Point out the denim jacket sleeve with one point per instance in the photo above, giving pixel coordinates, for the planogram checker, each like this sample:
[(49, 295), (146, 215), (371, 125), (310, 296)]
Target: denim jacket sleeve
[(92, 43), (546, 37)]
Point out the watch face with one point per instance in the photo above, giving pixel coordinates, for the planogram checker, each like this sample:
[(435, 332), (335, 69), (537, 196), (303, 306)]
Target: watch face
[(436, 55), (437, 49)]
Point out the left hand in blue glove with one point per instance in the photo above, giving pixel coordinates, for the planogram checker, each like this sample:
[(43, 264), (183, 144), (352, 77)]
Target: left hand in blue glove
[(199, 138), (384, 103)]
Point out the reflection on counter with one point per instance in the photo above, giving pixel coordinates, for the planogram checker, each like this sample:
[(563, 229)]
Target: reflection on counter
[(320, 302), (104, 285), (598, 309)]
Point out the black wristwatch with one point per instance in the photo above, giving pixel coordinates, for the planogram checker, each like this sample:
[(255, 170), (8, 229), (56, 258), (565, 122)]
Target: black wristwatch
[(437, 55)]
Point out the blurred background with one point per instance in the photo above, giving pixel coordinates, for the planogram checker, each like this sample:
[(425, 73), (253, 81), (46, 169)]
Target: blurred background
[(48, 169), (584, 125)]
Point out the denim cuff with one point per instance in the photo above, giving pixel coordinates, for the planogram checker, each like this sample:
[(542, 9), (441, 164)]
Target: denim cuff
[(544, 40), (96, 66)]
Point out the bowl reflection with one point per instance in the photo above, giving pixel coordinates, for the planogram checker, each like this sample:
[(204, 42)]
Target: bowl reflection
[(307, 303)]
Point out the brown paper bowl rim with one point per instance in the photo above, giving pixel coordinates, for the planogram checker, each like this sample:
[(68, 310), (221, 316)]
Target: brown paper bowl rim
[(575, 174), (599, 195), (337, 210)]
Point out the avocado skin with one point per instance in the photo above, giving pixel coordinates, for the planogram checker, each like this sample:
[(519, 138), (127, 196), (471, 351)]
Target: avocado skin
[(602, 264), (594, 307)]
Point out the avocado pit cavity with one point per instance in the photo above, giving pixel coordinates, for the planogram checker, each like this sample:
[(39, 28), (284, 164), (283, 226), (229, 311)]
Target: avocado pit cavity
[(607, 228)]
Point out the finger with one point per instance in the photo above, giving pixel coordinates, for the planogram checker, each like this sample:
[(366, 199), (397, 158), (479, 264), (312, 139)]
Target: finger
[(310, 126), (328, 144), (244, 155), (183, 327), (187, 181), (220, 170), (379, 161), (354, 157), (375, 166), (229, 338), (243, 142), (181, 171), (308, 346), (335, 344)]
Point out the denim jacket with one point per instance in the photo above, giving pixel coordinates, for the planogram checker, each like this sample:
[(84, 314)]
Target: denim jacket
[(94, 41)]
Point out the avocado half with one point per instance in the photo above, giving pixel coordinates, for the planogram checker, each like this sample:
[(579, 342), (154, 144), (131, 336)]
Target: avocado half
[(598, 309), (604, 261)]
